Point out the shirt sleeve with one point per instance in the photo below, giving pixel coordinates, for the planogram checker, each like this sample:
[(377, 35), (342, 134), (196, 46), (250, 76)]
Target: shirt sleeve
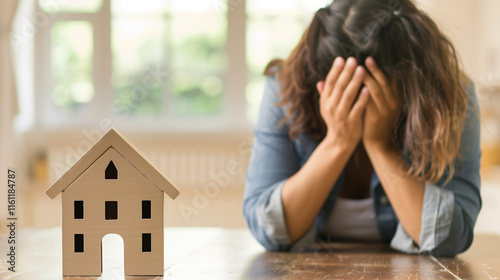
[(450, 212), (272, 162)]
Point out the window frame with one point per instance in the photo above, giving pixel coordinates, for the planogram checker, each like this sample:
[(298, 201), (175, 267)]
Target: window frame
[(49, 116)]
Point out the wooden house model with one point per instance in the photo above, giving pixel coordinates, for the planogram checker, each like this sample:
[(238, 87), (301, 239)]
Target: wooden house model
[(113, 188)]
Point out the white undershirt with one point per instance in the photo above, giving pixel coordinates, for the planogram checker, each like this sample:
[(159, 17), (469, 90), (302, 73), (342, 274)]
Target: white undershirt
[(353, 219)]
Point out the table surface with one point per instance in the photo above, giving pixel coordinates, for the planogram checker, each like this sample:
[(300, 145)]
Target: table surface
[(216, 253)]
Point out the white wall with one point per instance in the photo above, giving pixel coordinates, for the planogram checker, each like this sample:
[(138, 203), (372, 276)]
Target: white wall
[(457, 19), (489, 37), (473, 26), (488, 221)]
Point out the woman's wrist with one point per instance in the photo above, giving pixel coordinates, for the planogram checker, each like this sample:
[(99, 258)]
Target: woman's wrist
[(337, 146), (336, 143), (376, 149)]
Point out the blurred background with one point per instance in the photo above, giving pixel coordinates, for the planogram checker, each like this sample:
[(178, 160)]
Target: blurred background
[(183, 81)]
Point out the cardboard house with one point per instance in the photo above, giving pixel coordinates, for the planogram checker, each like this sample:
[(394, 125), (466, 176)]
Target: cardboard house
[(113, 188)]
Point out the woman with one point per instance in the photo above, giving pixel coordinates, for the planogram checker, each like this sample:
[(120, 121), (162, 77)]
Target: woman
[(369, 131)]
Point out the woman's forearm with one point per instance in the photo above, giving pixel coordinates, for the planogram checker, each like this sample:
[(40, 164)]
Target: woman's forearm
[(305, 192), (405, 193)]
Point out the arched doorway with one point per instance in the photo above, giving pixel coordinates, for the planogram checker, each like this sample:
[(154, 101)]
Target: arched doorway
[(112, 261)]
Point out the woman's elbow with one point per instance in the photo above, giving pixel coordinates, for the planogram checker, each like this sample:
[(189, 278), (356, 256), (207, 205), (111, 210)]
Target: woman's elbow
[(258, 231), (266, 241), (456, 243)]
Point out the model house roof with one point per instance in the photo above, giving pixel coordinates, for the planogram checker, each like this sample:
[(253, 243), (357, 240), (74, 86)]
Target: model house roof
[(114, 139)]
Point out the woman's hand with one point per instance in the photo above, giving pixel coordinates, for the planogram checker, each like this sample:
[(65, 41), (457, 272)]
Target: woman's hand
[(405, 193), (338, 94), (304, 193), (382, 111)]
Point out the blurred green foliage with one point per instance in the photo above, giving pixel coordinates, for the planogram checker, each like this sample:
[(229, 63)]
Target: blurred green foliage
[(72, 50)]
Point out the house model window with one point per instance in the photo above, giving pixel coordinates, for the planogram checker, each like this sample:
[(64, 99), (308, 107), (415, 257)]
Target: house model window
[(111, 172), (91, 192), (78, 243), (79, 209), (111, 209), (146, 209), (146, 242)]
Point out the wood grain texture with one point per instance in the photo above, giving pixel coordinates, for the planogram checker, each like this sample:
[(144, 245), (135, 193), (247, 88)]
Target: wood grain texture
[(212, 253), (480, 262)]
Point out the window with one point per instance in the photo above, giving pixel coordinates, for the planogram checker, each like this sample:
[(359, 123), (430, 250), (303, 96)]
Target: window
[(111, 171), (146, 209), (147, 35), (140, 60), (78, 205), (87, 6), (181, 64), (266, 19), (146, 242), (72, 64), (79, 243), (111, 209)]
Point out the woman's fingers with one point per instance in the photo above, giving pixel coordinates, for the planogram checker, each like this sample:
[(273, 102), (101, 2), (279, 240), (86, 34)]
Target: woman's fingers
[(360, 105), (376, 93), (320, 86), (376, 72), (331, 78), (343, 80), (380, 77), (349, 95)]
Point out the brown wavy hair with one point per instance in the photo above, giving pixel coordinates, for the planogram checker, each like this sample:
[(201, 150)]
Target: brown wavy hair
[(412, 52)]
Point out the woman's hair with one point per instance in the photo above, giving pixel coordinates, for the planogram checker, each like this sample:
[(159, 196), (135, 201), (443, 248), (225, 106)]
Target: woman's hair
[(413, 53)]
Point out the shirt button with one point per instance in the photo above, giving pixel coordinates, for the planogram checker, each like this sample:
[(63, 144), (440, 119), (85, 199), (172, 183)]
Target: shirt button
[(384, 200)]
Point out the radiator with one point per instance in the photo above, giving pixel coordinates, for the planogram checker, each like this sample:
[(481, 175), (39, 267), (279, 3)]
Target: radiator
[(187, 160)]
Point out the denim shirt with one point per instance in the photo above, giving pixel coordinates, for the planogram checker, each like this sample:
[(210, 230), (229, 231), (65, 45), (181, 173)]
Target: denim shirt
[(449, 211)]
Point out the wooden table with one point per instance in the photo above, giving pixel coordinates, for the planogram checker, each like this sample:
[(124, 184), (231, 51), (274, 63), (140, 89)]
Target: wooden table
[(213, 253)]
